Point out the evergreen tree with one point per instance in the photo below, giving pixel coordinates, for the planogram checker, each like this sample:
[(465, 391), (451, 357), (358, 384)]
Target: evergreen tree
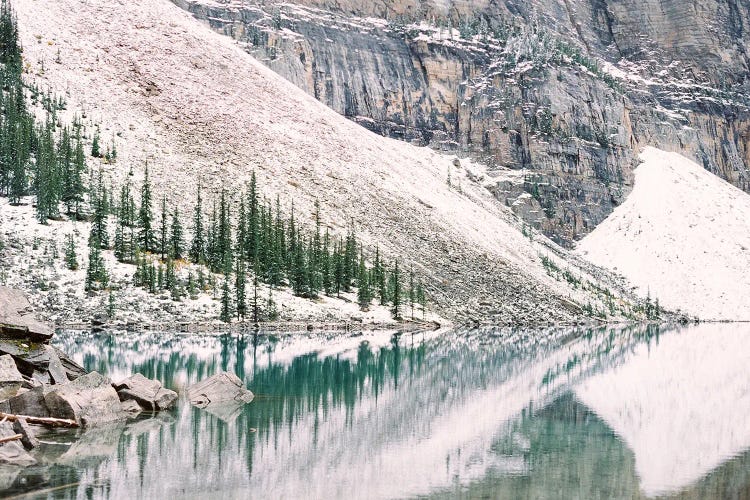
[(350, 260), (338, 268), (98, 202), (46, 178), (71, 260), (151, 278), (224, 237), (176, 238), (364, 295), (395, 286), (226, 301), (10, 48), (163, 230), (191, 286), (326, 267), (146, 236), (95, 146), (256, 311), (239, 288), (125, 237), (253, 223), (73, 188), (201, 280), (96, 273), (198, 245), (380, 278), (170, 275), (111, 306)]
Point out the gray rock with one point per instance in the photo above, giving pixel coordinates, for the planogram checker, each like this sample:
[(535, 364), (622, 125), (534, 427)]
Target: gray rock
[(13, 452), (57, 372), (149, 394), (39, 361), (17, 319), (73, 370), (141, 384), (8, 475), (90, 400), (31, 403), (29, 440), (131, 407), (221, 388), (11, 379), (165, 399)]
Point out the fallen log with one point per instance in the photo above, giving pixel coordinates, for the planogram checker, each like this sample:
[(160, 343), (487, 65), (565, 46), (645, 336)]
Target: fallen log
[(48, 421), (15, 437)]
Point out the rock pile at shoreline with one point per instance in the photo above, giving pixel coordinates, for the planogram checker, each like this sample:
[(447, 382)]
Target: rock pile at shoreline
[(41, 385)]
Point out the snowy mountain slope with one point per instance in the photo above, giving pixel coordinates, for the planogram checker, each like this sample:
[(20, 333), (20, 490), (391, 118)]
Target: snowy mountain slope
[(682, 404), (684, 235), (172, 93)]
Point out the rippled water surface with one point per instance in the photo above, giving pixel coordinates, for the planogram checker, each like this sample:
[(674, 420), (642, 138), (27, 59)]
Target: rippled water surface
[(633, 413)]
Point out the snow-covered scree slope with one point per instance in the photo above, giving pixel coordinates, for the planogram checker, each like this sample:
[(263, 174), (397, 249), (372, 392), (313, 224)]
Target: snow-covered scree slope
[(683, 235), (196, 107)]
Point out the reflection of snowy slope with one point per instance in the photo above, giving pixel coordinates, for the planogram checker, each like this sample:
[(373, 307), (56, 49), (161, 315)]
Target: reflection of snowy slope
[(436, 425), (680, 404)]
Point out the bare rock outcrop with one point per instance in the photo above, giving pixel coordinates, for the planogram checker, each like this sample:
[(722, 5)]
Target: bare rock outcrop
[(17, 318), (569, 95)]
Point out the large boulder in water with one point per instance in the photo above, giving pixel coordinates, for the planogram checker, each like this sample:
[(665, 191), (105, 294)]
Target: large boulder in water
[(90, 400), (149, 394), (221, 388), (17, 318)]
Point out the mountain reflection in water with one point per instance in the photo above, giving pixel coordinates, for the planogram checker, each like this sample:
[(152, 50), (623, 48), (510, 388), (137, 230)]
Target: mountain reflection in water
[(561, 413)]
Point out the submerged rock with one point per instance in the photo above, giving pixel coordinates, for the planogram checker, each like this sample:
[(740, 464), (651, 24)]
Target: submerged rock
[(29, 440), (13, 452), (222, 388), (149, 394)]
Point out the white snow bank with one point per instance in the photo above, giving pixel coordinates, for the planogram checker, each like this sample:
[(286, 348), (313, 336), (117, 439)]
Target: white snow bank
[(684, 235), (682, 404)]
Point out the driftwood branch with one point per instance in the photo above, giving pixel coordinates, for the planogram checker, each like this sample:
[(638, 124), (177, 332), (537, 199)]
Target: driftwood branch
[(14, 437), (48, 421)]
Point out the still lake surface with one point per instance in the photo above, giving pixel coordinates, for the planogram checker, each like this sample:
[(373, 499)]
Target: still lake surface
[(495, 413)]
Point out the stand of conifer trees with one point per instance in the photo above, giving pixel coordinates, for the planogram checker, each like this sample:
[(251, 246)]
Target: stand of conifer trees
[(239, 240), (35, 158), (251, 239)]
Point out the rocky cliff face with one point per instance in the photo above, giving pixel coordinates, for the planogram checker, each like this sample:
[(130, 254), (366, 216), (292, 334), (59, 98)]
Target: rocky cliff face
[(563, 93)]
